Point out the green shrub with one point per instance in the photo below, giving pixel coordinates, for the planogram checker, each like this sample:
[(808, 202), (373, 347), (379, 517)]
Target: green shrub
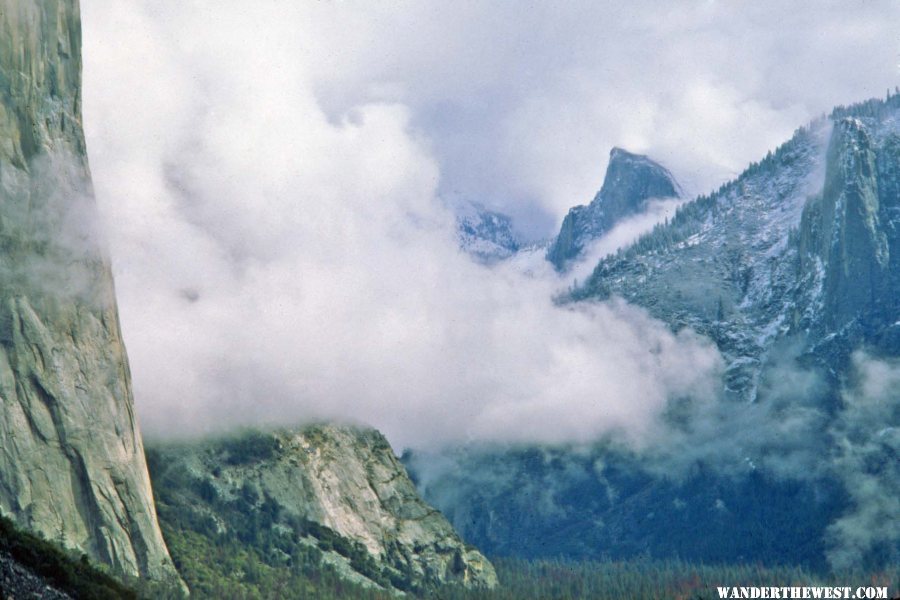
[(249, 448)]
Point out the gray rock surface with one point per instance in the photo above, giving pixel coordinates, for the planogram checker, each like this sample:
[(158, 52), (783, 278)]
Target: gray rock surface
[(72, 465)]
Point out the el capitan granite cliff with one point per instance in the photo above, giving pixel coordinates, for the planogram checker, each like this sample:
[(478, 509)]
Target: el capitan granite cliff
[(72, 466)]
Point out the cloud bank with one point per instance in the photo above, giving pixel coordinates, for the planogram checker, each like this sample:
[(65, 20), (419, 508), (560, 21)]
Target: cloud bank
[(277, 181), (867, 443), (521, 103), (277, 264)]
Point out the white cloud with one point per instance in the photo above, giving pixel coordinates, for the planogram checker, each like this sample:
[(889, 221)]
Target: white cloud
[(866, 442), (274, 176), (523, 102)]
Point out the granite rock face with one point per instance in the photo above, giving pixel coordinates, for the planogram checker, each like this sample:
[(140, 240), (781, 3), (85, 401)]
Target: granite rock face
[(347, 481), (631, 181), (72, 466)]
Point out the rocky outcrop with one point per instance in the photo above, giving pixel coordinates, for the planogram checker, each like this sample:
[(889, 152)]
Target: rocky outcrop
[(333, 486), (72, 465), (631, 181), (15, 577)]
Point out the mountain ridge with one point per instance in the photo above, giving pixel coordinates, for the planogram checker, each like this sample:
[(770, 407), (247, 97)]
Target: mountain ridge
[(318, 496), (792, 270)]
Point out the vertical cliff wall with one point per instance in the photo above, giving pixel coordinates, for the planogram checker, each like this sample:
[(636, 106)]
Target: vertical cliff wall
[(847, 235), (72, 464)]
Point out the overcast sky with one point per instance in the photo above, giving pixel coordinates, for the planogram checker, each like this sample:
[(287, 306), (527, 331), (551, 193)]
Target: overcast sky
[(277, 180)]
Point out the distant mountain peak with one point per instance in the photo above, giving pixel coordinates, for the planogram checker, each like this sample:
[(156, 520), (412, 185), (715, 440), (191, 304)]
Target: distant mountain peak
[(631, 180), (486, 235), (619, 152)]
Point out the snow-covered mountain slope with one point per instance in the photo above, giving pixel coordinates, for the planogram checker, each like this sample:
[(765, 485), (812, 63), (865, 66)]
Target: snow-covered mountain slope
[(636, 194), (798, 247)]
